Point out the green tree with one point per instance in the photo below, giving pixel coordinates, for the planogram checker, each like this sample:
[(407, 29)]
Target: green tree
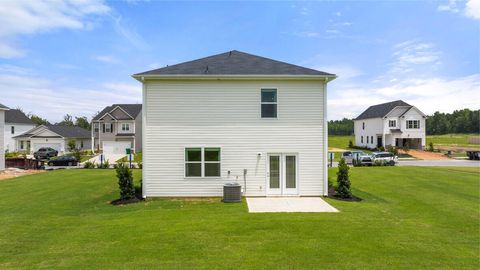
[(37, 120), (82, 122), (125, 181), (67, 121), (343, 181)]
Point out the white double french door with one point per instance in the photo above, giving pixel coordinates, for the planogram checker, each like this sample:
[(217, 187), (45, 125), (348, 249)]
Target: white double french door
[(282, 174)]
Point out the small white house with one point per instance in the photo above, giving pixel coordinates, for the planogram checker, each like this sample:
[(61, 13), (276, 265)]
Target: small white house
[(234, 117), (53, 136), (16, 123), (3, 109), (390, 124)]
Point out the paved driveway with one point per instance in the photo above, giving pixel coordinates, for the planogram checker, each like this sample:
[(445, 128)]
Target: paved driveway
[(288, 204), (112, 158)]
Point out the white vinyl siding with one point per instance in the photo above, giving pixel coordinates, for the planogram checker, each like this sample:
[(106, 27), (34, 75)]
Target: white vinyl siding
[(226, 114)]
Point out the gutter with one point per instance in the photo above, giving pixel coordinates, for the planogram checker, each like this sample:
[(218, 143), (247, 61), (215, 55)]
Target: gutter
[(142, 78)]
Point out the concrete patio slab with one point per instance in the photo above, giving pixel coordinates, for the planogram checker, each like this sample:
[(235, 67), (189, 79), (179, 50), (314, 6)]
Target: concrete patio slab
[(288, 204)]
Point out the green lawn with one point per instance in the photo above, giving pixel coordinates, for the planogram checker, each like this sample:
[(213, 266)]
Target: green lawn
[(452, 140), (340, 141), (137, 158), (410, 218)]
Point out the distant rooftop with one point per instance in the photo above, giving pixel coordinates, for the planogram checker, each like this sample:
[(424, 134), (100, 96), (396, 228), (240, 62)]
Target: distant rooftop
[(381, 110)]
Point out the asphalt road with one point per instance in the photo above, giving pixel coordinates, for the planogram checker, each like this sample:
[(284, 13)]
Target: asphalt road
[(433, 163)]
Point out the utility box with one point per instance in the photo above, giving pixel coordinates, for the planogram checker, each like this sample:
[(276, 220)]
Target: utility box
[(232, 192)]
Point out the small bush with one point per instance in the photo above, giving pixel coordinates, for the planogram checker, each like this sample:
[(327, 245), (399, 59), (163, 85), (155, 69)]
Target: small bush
[(379, 163), (343, 181), (125, 182), (430, 147), (88, 165), (406, 147), (381, 149), (350, 144), (104, 165), (392, 150)]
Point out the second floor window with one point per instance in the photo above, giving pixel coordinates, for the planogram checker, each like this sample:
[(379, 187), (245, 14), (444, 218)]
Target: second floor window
[(363, 125), (361, 139), (107, 128), (13, 130), (392, 123), (125, 127), (269, 103), (95, 127), (413, 124)]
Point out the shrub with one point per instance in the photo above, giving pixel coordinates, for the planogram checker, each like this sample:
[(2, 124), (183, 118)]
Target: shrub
[(430, 147), (104, 165), (350, 144), (379, 163), (392, 150), (343, 188), (381, 149), (406, 147), (88, 165), (125, 182)]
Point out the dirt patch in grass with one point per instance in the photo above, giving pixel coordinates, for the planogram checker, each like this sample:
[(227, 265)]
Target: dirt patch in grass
[(129, 201), (10, 173), (332, 193)]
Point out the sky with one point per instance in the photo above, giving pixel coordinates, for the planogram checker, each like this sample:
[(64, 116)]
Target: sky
[(76, 57)]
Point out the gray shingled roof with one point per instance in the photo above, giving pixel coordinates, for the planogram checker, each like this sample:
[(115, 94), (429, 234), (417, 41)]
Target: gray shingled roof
[(132, 109), (234, 63), (3, 107), (70, 131), (17, 117), (381, 110)]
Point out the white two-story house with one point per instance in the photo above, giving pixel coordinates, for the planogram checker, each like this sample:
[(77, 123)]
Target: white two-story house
[(395, 123), (234, 117), (3, 109), (116, 128), (16, 123)]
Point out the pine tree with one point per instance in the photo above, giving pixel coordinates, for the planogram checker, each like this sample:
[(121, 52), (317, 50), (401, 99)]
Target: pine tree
[(343, 189)]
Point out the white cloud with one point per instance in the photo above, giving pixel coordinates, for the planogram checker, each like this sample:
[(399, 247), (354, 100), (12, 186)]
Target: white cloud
[(24, 17), (409, 55), (470, 8), (107, 59), (49, 99)]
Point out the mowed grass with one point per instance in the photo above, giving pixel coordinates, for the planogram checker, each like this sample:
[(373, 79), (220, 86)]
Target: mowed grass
[(452, 140), (410, 218)]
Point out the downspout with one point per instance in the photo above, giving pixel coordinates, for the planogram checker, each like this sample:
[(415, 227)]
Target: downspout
[(325, 140)]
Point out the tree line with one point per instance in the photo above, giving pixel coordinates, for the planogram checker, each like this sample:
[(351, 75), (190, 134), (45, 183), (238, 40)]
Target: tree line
[(68, 120), (460, 121)]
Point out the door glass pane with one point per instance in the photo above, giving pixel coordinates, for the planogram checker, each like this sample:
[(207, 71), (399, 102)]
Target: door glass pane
[(290, 172), (193, 169), (193, 154), (274, 172), (212, 169)]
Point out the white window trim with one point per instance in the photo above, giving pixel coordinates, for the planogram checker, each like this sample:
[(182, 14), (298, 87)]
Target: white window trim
[(261, 103), (202, 163), (394, 122), (96, 127), (413, 121)]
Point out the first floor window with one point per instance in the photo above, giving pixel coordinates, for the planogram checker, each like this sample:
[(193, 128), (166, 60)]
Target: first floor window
[(371, 139), (22, 145), (413, 124), (392, 123), (202, 162), (367, 139), (361, 139), (81, 144)]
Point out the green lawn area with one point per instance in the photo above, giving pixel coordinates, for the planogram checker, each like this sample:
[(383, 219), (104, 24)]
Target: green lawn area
[(410, 218), (452, 140), (340, 141), (137, 158)]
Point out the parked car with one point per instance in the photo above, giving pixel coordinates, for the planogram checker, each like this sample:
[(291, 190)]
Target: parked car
[(360, 156), (473, 155), (63, 161), (385, 157), (45, 153)]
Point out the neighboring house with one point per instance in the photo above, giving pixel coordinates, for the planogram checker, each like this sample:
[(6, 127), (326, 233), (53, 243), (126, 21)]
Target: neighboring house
[(234, 117), (3, 109), (116, 128), (16, 123), (394, 123), (53, 136)]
